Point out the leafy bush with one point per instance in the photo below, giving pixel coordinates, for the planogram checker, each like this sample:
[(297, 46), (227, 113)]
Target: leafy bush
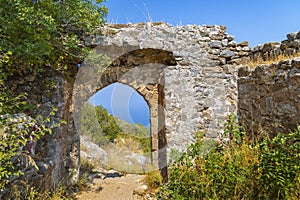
[(153, 180), (280, 166), (99, 124), (239, 169), (90, 125), (36, 34), (18, 135), (107, 123), (103, 128)]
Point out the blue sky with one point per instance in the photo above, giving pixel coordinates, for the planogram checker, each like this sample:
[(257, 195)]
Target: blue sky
[(123, 101), (256, 21)]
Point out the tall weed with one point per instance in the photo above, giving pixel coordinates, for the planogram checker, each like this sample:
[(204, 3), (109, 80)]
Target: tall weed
[(239, 169)]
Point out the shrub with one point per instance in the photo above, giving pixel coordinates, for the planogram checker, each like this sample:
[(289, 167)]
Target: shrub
[(99, 124), (240, 169), (279, 164), (153, 180), (18, 134), (86, 168)]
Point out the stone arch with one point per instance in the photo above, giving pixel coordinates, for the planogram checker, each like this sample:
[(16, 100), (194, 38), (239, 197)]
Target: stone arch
[(141, 69)]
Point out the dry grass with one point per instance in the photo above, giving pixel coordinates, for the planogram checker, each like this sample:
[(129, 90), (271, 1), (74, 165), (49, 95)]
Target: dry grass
[(129, 144), (259, 61), (120, 159), (125, 156), (153, 180), (24, 191)]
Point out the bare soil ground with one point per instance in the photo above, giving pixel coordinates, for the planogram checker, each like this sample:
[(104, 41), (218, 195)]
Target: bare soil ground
[(114, 186)]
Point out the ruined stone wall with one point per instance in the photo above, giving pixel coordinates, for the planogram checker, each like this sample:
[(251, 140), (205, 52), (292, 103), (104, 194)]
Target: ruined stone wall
[(269, 97), (270, 50), (200, 88), (195, 89), (53, 153)]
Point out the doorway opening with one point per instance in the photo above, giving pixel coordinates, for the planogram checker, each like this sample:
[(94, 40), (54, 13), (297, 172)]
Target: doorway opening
[(115, 130), (141, 69)]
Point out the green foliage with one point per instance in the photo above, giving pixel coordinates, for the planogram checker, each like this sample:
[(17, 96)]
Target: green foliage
[(174, 155), (10, 103), (31, 193), (137, 130), (99, 124), (35, 36), (90, 125), (18, 134), (241, 169), (233, 130), (280, 165), (48, 33), (107, 123), (153, 180), (104, 128), (86, 166), (145, 143)]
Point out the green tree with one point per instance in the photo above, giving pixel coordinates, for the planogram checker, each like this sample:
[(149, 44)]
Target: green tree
[(46, 33), (97, 123), (108, 123), (102, 127), (36, 36), (90, 125)]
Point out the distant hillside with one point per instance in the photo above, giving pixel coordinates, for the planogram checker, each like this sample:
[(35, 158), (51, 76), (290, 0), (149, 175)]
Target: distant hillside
[(102, 127), (134, 129)]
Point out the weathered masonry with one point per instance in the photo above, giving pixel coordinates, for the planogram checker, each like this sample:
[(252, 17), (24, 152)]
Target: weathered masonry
[(183, 73), (188, 75)]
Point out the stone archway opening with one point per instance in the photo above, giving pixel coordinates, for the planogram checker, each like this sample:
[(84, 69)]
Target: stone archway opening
[(143, 70), (123, 140)]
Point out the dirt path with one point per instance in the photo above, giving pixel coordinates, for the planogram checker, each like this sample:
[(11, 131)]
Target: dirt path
[(114, 187)]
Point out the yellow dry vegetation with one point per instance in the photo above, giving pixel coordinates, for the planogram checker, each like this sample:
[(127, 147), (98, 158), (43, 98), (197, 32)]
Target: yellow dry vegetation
[(259, 61)]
